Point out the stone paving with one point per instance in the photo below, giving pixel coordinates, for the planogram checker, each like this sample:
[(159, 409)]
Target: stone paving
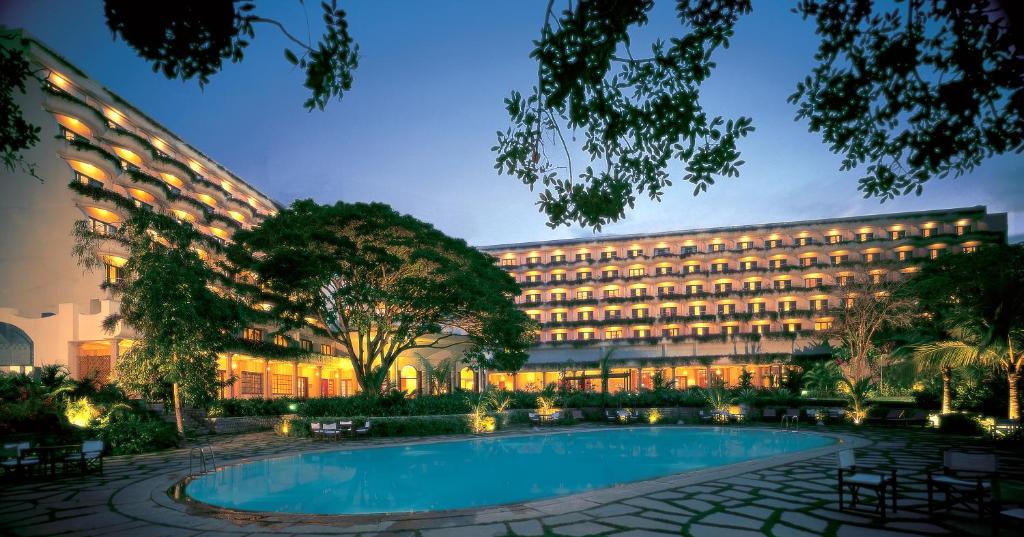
[(791, 496)]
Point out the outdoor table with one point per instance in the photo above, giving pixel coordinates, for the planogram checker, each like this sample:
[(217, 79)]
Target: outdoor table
[(50, 455), (347, 427)]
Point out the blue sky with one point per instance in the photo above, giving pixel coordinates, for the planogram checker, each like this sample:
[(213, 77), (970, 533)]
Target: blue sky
[(416, 129)]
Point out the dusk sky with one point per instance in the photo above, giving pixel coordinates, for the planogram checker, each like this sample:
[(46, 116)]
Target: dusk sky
[(416, 129)]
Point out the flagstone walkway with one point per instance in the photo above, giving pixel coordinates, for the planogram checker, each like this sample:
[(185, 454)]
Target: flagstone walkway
[(794, 498)]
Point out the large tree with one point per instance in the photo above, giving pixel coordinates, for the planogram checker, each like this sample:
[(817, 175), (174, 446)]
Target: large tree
[(379, 284), (871, 304), (978, 299), (169, 299)]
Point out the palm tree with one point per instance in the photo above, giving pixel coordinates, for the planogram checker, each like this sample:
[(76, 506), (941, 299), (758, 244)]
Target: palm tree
[(605, 365), (823, 378), (857, 393), (967, 348)]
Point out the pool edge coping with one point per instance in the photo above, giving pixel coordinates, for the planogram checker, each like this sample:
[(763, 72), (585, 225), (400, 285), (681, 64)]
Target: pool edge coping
[(171, 493)]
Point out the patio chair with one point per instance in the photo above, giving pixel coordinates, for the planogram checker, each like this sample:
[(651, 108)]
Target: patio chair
[(688, 412), (329, 431), (314, 428), (769, 414), (611, 415), (345, 428), (1004, 427), (534, 418), (854, 480), (577, 414), (965, 479), (633, 414), (554, 417), (90, 456), (836, 413), (364, 430), (23, 459)]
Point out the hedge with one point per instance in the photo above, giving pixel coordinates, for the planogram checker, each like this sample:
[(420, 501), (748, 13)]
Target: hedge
[(299, 426)]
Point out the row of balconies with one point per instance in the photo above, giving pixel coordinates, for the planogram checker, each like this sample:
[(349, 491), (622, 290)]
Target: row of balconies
[(693, 295), (160, 159), (912, 245), (672, 318), (642, 338), (837, 264)]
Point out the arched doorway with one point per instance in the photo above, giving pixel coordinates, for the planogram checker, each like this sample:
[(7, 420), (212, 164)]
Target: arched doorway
[(16, 349), (409, 380), (467, 379)]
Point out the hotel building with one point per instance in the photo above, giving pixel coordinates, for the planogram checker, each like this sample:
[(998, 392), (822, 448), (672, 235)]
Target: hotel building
[(707, 304), (98, 159)]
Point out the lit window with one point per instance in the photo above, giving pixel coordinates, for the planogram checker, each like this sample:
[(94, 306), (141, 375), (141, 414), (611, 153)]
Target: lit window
[(745, 245), (928, 232), (819, 304), (87, 181), (840, 259), (792, 327), (584, 315), (636, 272), (668, 312), (833, 239), (776, 263), (755, 307), (560, 277), (635, 253), (661, 271), (870, 257), (642, 332), (726, 309), (903, 255), (99, 227), (717, 247), (897, 234), (111, 274), (686, 250), (559, 258), (640, 313), (772, 243), (613, 314), (808, 261), (252, 334), (611, 293), (719, 267), (638, 291), (613, 334), (559, 317), (609, 274), (584, 295), (608, 255), (666, 290), (691, 269), (761, 328), (936, 253), (970, 249), (558, 297), (804, 241), (508, 262), (670, 332), (754, 285), (534, 316), (748, 265), (864, 237), (326, 349), (306, 345), (584, 257), (583, 275), (533, 260), (822, 325), (661, 251), (729, 330), (787, 305), (694, 289), (532, 278), (698, 310), (586, 336), (962, 230), (845, 280), (812, 282), (280, 340), (700, 330), (559, 336), (782, 284), (724, 287)]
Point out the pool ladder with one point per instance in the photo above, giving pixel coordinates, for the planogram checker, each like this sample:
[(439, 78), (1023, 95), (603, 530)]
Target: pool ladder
[(207, 460), (790, 423)]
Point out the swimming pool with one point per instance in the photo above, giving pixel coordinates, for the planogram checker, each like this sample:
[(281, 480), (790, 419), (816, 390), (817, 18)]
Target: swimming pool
[(484, 471)]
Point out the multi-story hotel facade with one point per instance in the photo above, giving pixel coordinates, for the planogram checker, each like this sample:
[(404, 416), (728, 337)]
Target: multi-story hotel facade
[(98, 159), (705, 305)]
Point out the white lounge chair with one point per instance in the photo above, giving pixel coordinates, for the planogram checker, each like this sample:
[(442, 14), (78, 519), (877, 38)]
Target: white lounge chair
[(966, 479), (90, 456), (850, 477), (314, 428), (364, 430), (329, 430), (22, 460)]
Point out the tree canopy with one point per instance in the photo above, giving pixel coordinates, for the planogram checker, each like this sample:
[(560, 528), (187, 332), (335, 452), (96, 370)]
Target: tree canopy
[(978, 300), (192, 39), (904, 92), (380, 283), (168, 300)]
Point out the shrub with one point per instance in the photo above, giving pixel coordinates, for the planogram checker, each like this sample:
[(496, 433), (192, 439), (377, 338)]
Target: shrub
[(964, 424), (133, 433)]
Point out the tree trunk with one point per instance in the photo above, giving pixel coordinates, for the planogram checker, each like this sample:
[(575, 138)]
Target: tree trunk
[(1014, 379), (177, 410), (947, 389)]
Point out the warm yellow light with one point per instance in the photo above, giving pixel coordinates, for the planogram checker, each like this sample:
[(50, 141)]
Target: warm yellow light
[(73, 125), (58, 80), (654, 416), (172, 180), (128, 155), (237, 216), (88, 169), (80, 412), (142, 195), (114, 115), (195, 166), (207, 200)]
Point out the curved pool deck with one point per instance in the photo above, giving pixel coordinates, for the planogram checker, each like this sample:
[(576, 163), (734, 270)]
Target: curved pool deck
[(486, 471), (788, 495)]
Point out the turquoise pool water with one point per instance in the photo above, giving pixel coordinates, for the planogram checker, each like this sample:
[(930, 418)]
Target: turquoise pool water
[(481, 472)]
